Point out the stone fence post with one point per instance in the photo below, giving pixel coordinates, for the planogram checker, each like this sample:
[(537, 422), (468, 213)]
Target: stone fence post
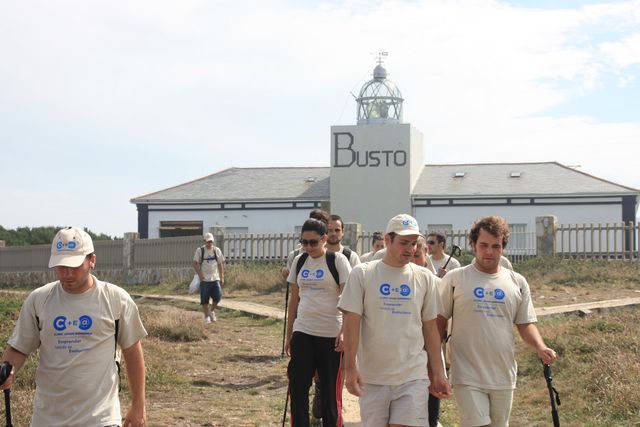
[(128, 245), (546, 227), (351, 232), (218, 234)]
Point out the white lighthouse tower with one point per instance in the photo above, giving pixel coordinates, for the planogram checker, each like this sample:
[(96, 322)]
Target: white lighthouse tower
[(375, 164)]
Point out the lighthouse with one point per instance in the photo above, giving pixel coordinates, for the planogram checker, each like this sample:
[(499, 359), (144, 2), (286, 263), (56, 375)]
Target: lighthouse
[(376, 162)]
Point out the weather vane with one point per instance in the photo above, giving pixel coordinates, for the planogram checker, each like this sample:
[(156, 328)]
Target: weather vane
[(381, 55)]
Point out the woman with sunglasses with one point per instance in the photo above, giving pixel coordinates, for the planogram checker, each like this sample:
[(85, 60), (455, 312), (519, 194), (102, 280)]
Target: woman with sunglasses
[(314, 333)]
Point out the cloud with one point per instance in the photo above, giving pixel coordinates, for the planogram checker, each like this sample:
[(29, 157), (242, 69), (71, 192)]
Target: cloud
[(168, 91)]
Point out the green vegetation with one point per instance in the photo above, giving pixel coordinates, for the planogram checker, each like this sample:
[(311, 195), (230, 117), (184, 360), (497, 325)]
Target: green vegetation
[(23, 236)]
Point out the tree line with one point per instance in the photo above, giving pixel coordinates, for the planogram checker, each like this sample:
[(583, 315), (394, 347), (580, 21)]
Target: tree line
[(23, 236)]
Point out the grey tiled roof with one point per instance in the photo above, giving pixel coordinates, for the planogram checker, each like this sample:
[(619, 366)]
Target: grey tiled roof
[(548, 178), (243, 184), (312, 183)]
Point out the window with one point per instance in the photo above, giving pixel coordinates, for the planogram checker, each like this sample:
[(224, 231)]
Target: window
[(180, 228)]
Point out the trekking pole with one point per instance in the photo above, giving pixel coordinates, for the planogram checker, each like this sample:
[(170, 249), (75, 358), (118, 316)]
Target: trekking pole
[(5, 371), (286, 405), (284, 328), (554, 397), (455, 250)]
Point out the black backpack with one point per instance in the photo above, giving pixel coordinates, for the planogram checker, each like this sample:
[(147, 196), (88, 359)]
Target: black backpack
[(215, 255), (331, 263)]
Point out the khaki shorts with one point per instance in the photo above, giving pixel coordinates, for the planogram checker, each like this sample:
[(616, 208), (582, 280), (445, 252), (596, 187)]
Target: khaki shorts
[(406, 404), (480, 407)]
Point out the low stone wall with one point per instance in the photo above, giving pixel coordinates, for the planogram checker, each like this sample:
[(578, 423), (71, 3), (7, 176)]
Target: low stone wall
[(151, 276)]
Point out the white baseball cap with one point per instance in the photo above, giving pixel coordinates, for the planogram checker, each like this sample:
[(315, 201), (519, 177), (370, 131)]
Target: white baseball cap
[(403, 225), (70, 247), (209, 237)]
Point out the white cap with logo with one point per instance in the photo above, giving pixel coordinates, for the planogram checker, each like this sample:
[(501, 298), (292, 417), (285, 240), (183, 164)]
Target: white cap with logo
[(403, 225), (209, 238), (70, 247)]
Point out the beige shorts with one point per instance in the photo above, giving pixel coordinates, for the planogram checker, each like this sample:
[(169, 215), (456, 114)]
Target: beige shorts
[(480, 407), (405, 404)]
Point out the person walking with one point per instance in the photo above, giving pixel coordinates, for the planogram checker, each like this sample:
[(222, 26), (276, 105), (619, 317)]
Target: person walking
[(421, 258), (377, 243), (484, 300), (390, 308), (314, 332), (75, 324), (208, 263), (436, 244), (334, 240)]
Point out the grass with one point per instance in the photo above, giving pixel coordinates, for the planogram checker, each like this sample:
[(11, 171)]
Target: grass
[(230, 374)]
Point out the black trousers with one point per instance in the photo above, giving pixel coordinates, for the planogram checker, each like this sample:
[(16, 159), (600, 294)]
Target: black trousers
[(308, 354), (434, 410)]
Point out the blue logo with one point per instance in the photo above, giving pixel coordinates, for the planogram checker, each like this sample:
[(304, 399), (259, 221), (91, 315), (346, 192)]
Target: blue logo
[(479, 292), (499, 294), (60, 323), (305, 274), (319, 273), (85, 322), (385, 289), (69, 246), (405, 290), (406, 222)]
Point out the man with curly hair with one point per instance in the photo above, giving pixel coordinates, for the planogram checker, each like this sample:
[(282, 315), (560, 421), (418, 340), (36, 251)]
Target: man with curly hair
[(484, 301)]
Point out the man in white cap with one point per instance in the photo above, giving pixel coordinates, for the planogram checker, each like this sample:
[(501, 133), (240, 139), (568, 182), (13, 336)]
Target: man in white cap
[(76, 322), (389, 314), (208, 262)]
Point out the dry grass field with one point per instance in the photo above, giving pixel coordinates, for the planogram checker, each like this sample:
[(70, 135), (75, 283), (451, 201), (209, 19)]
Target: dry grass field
[(230, 373)]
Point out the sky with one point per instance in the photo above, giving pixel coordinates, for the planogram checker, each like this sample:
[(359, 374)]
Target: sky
[(101, 102)]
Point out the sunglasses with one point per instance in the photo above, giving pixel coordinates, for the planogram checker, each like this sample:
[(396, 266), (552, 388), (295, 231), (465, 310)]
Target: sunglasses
[(311, 243)]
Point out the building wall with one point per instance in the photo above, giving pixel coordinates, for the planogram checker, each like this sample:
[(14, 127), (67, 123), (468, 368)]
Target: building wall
[(255, 221), (373, 169), (461, 217)]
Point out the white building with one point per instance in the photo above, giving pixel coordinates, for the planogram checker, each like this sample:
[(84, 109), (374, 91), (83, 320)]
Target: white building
[(376, 172)]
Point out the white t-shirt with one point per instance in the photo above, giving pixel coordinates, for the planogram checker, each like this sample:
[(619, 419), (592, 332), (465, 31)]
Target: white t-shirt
[(77, 378), (318, 314), (393, 303), (437, 264), (354, 259), (367, 257), (485, 308), (504, 261), (209, 266), (380, 254)]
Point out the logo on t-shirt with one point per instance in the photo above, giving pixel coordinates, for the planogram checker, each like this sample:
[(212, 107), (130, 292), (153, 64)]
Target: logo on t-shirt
[(496, 293), (403, 290), (83, 323), (317, 274), (479, 292)]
